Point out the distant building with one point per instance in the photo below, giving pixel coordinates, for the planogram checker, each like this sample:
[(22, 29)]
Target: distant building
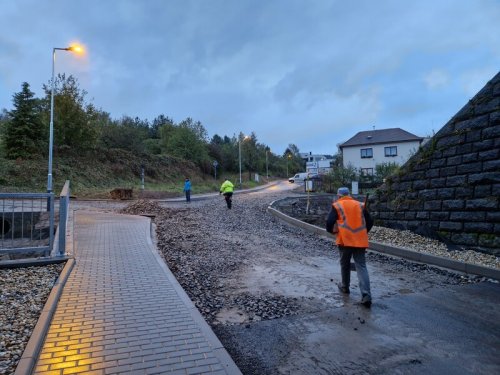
[(317, 164), (369, 148)]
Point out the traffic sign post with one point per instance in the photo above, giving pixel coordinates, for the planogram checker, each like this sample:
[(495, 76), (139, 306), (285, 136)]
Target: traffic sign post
[(215, 164)]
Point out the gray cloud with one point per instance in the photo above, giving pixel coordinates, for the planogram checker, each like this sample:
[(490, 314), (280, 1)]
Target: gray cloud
[(292, 71)]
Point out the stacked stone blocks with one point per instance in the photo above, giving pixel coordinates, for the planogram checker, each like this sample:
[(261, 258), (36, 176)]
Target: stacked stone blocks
[(450, 188)]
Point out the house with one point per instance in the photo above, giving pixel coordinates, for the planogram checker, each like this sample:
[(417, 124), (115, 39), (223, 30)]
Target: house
[(369, 148), (317, 164)]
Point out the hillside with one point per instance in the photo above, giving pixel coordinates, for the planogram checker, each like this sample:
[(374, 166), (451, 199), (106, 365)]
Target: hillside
[(94, 174)]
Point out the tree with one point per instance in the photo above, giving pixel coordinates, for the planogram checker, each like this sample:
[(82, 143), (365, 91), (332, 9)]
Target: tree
[(294, 162), (24, 132), (293, 149), (127, 133), (215, 149), (187, 140), (384, 170), (158, 122), (340, 175), (152, 144), (4, 118), (227, 149), (74, 119), (249, 153)]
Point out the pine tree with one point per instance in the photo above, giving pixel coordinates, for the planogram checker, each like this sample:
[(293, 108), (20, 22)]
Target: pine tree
[(24, 133)]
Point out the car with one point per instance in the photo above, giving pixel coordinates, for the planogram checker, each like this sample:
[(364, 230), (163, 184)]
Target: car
[(300, 177)]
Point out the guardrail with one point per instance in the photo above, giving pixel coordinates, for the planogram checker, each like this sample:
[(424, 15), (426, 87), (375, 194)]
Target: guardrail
[(28, 222), (60, 245)]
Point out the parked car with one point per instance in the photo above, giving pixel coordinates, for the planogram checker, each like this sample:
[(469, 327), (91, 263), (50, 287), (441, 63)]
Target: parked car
[(300, 177)]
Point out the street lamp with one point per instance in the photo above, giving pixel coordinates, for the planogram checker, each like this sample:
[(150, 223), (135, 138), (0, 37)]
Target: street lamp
[(267, 166), (73, 48), (239, 153), (289, 156)]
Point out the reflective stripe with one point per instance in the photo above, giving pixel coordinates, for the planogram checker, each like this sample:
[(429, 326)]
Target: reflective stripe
[(344, 219), (351, 223)]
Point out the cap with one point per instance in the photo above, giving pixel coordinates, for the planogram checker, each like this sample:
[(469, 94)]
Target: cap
[(343, 191)]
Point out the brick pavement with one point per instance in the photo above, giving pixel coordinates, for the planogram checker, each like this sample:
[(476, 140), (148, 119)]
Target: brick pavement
[(123, 312)]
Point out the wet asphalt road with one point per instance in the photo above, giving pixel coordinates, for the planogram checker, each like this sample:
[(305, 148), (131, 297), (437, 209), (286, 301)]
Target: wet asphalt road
[(423, 321), (452, 330)]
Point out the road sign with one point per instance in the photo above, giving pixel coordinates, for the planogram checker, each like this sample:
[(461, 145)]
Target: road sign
[(215, 164)]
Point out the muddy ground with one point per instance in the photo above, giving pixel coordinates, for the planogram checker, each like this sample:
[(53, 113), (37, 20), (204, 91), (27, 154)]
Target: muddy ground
[(268, 291)]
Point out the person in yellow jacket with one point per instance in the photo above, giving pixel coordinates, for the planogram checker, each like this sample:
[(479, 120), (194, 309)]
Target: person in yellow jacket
[(227, 189), (353, 223)]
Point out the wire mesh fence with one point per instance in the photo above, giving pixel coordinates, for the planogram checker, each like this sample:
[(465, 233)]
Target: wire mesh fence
[(27, 222)]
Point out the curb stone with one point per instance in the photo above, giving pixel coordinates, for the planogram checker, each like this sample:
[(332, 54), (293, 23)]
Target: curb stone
[(37, 338), (398, 251)]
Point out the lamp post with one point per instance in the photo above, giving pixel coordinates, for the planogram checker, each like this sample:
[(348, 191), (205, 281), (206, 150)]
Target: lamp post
[(74, 48), (288, 157), (239, 154), (267, 166)]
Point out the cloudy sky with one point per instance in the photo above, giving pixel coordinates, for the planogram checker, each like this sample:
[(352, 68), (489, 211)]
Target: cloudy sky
[(307, 72)]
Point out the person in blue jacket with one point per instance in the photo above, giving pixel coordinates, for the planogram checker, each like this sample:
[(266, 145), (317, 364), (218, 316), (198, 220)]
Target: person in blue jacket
[(187, 189)]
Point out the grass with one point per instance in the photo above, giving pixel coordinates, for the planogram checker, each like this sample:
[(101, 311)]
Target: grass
[(94, 175)]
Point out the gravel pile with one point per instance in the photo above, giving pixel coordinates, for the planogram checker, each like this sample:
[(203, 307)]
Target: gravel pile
[(23, 293), (202, 252), (415, 242), (145, 207)]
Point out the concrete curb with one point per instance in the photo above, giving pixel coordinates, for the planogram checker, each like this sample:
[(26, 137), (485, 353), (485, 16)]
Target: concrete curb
[(21, 263), (207, 331), (398, 251), (37, 338)]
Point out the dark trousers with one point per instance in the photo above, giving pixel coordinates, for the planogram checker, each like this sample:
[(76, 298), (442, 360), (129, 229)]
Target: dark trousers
[(346, 253), (188, 195), (229, 200)]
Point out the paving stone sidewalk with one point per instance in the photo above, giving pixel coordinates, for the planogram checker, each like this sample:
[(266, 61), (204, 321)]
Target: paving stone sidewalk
[(123, 312)]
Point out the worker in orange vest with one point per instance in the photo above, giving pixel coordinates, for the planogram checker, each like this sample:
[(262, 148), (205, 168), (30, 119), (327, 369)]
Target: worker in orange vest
[(353, 223)]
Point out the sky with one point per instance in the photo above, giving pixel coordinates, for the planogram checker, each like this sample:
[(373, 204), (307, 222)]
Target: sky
[(307, 72)]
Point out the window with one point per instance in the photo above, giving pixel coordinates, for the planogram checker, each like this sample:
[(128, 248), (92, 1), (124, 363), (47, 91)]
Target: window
[(391, 151), (366, 153), (367, 171)]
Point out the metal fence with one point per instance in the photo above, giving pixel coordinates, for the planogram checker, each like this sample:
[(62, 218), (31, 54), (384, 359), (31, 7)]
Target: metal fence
[(28, 222)]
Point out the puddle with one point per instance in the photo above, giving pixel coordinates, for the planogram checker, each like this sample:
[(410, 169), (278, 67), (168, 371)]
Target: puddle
[(231, 316), (310, 278), (405, 291)]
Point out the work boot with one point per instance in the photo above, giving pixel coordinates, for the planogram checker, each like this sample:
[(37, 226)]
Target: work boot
[(342, 288), (366, 301)]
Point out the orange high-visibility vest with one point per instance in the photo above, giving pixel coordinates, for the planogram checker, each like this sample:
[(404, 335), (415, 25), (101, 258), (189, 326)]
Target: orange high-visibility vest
[(351, 223)]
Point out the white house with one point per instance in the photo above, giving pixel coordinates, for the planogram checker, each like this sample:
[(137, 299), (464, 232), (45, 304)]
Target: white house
[(369, 148), (317, 164)]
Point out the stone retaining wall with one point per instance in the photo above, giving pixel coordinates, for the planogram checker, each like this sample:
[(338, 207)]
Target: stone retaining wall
[(450, 189)]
